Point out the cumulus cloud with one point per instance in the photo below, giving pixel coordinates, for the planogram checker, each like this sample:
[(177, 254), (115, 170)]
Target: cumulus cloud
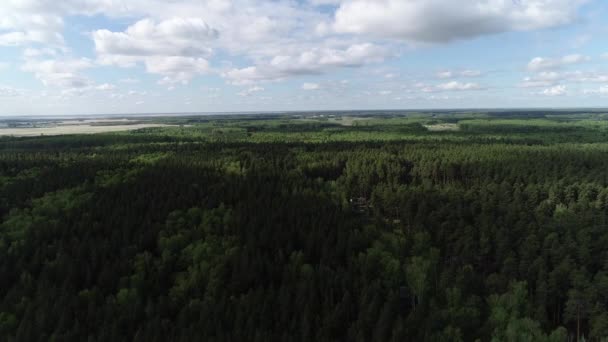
[(176, 69), (463, 73), (445, 74), (105, 87), (557, 90), (542, 79), (552, 78), (136, 93), (448, 20), (250, 91), (470, 73), (311, 86), (603, 90), (22, 38), (21, 25), (452, 86), (458, 86), (325, 2), (41, 22), (60, 73), (64, 76), (172, 37), (6, 91), (128, 80), (32, 53), (263, 40), (586, 77), (541, 63), (174, 48), (309, 62), (243, 21)]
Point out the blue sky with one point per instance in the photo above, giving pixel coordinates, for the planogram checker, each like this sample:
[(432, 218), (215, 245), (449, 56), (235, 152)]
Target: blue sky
[(148, 56)]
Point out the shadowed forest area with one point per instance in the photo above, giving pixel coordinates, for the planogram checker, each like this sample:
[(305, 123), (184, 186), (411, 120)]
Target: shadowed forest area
[(447, 226)]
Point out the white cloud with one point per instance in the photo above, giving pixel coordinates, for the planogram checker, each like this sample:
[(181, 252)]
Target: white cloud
[(540, 63), (458, 86), (603, 90), (445, 74), (448, 20), (311, 86), (250, 91), (310, 62), (60, 73), (24, 22), (173, 48), (552, 78), (425, 88), (7, 91), (176, 69), (250, 42), (470, 73), (441, 98), (574, 59), (74, 92), (325, 2), (136, 93), (31, 52), (172, 37), (463, 73), (176, 39), (586, 77), (64, 76), (105, 87), (21, 24), (128, 80), (452, 86), (542, 79), (557, 90), (252, 27)]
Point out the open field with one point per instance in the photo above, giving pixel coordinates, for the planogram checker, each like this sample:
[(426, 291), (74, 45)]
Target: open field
[(442, 127), (73, 127)]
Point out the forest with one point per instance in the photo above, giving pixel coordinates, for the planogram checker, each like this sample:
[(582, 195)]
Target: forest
[(379, 226)]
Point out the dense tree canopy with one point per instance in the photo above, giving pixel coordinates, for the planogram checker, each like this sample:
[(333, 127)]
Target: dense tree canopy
[(285, 230)]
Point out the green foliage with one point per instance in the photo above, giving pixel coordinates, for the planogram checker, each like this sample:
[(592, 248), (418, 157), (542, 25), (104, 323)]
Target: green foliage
[(338, 227), (417, 272), (508, 318)]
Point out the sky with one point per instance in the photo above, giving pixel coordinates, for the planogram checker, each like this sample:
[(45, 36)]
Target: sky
[(74, 57)]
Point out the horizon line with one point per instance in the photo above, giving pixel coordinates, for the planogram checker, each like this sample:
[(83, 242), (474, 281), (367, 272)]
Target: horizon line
[(292, 112)]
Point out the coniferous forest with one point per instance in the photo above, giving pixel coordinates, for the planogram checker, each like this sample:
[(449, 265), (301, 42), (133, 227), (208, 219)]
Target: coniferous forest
[(447, 226)]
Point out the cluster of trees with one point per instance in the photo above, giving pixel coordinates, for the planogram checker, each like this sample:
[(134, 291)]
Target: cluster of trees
[(156, 238)]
